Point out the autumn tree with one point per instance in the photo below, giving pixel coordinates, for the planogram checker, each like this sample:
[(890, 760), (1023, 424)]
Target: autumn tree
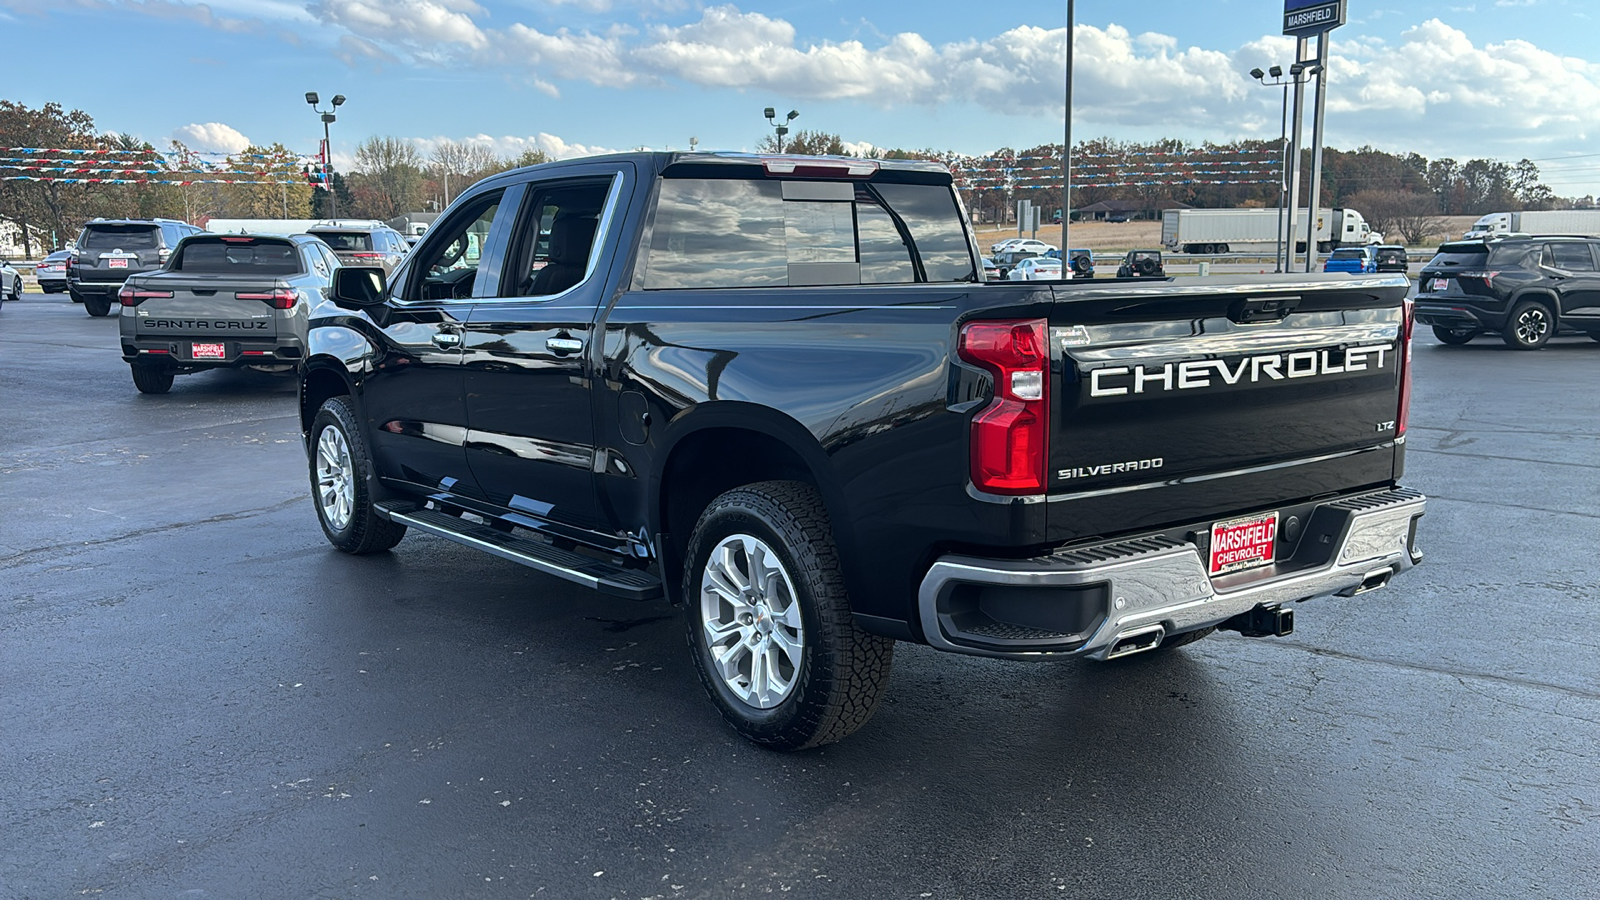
[(389, 178)]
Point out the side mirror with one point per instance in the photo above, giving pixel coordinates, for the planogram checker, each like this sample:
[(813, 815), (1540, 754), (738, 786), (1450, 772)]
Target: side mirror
[(359, 287)]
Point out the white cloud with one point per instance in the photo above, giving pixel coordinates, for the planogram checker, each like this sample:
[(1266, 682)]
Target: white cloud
[(510, 146), (211, 136), (428, 26)]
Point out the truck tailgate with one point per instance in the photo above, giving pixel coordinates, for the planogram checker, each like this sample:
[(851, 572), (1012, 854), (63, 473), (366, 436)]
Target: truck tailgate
[(1213, 400), (205, 306)]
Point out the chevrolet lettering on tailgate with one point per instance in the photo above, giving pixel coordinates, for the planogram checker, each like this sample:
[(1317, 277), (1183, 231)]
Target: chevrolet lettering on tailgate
[(1114, 381)]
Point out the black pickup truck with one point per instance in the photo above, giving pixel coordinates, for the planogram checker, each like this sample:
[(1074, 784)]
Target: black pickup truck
[(777, 392)]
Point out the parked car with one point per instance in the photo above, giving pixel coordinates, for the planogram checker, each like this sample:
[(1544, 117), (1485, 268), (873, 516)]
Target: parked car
[(991, 270), (111, 250), (1142, 264), (1354, 260), (1037, 268), (996, 248), (1523, 287), (223, 301), (51, 272), (363, 243), (1081, 261), (1391, 258), (1117, 218), (10, 282)]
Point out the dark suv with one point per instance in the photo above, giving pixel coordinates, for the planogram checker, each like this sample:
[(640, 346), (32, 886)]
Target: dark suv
[(109, 250), (1524, 288), (371, 244)]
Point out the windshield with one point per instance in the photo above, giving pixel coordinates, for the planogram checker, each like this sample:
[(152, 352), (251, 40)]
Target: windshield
[(346, 241), (237, 256), (119, 237)]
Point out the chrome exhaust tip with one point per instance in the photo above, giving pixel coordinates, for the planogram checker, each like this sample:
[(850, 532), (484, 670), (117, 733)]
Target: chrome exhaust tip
[(1136, 641)]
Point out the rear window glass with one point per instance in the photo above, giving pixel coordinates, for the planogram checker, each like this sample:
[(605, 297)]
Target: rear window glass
[(223, 256), (726, 233), (119, 237), (1456, 255), (1348, 254), (346, 241)]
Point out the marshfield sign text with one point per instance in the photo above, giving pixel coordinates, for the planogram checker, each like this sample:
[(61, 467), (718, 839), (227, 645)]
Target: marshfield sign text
[(1307, 17)]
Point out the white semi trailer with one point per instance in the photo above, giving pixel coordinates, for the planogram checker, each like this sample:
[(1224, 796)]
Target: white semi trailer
[(1541, 221), (1256, 230)]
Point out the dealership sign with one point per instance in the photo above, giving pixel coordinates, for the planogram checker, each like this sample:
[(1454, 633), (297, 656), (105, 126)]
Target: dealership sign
[(1308, 17)]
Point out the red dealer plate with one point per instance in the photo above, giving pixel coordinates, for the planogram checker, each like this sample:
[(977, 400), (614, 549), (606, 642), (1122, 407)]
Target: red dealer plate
[(1243, 543), (207, 351), (1441, 284), (117, 263)]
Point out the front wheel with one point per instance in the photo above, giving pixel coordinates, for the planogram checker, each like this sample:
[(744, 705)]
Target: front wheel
[(1453, 338), (98, 307), (1530, 326), (341, 469), (770, 627)]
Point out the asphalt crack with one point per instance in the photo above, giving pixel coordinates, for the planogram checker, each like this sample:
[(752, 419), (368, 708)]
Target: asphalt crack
[(156, 529)]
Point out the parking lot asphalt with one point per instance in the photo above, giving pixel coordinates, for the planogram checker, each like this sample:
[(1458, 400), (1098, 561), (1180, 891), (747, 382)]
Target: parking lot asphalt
[(199, 698)]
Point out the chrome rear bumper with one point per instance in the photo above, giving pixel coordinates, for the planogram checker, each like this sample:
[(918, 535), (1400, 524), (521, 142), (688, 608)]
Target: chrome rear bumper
[(1086, 601)]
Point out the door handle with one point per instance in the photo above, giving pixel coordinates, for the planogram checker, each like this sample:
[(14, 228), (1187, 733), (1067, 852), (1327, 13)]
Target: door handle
[(446, 339), (563, 345)]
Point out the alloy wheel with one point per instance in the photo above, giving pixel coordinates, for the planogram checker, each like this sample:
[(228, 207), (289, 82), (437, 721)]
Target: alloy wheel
[(750, 620), (336, 486)]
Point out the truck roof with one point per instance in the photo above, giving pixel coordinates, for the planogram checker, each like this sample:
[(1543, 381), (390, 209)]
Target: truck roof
[(657, 161)]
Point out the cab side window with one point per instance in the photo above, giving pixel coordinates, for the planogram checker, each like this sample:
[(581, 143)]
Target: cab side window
[(449, 266), (1570, 257), (556, 238)]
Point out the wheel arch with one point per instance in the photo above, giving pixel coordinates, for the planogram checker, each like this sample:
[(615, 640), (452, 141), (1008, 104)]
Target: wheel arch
[(715, 447), (321, 378), (1544, 295)]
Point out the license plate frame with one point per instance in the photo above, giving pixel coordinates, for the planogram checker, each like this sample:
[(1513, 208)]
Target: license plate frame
[(1244, 543), (198, 350), (1440, 284), (116, 263)]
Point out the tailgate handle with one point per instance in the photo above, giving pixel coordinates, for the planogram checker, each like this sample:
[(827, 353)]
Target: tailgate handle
[(1262, 309)]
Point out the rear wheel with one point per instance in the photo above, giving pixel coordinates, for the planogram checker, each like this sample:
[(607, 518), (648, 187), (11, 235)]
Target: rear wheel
[(770, 627), (1455, 338), (97, 306), (341, 469), (1530, 326), (152, 379)]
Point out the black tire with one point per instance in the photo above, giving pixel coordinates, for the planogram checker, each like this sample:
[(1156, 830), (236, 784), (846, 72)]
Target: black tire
[(152, 379), (842, 671), (1453, 338), (1530, 325), (98, 307), (348, 518)]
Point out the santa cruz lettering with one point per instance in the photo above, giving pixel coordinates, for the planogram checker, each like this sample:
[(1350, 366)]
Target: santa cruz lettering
[(209, 324), (1196, 374)]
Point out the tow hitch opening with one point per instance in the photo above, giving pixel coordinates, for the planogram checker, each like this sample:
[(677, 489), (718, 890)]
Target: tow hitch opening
[(1263, 621)]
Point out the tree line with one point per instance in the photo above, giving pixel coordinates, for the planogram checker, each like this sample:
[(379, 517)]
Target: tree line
[(391, 176)]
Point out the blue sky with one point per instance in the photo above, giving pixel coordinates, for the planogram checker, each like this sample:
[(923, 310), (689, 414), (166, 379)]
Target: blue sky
[(1494, 78)]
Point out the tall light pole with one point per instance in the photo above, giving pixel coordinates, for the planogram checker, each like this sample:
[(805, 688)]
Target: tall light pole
[(1281, 262), (782, 128), (328, 118), (1066, 153)]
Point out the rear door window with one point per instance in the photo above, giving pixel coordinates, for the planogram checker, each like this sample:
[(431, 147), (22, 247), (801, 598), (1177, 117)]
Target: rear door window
[(1572, 257)]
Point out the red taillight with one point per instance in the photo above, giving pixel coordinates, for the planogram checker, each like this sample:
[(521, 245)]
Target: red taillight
[(366, 256), (130, 297), (1405, 371), (1010, 436), (283, 298)]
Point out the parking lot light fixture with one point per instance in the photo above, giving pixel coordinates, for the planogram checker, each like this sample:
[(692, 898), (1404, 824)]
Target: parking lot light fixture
[(781, 128), (328, 118)]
